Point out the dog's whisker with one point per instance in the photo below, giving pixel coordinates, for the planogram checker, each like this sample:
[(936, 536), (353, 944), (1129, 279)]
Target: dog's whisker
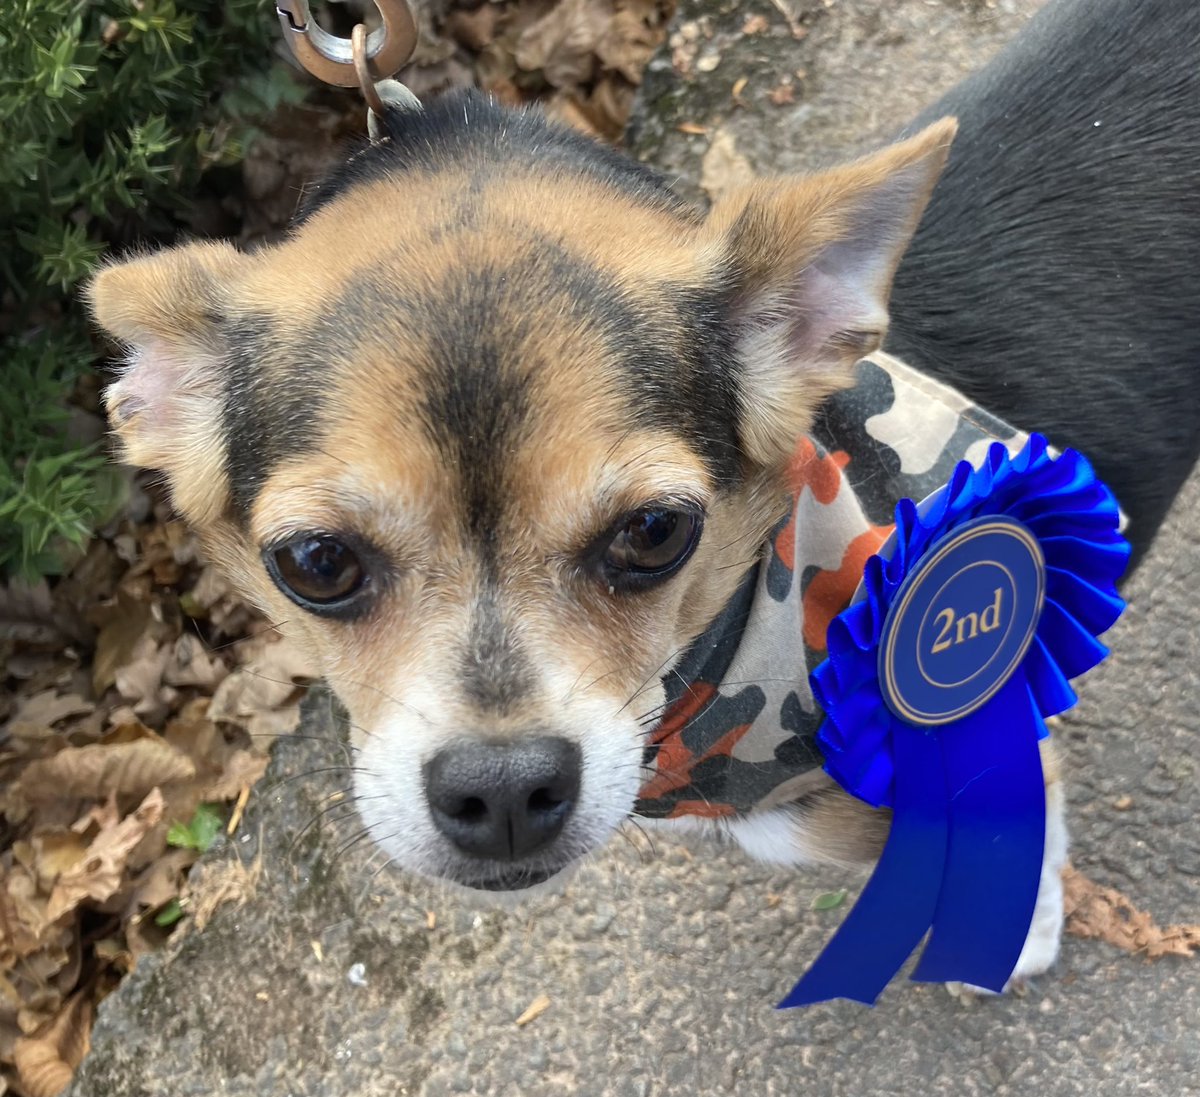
[(347, 846), (651, 676), (278, 784), (636, 824), (325, 815), (375, 873), (214, 649)]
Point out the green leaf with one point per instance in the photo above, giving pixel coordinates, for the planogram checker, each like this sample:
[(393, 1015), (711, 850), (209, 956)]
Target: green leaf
[(169, 914), (829, 900), (206, 825), (201, 832), (180, 836)]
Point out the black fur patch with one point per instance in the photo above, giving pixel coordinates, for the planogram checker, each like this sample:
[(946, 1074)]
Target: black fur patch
[(1054, 279), (268, 416), (470, 128), (676, 362)]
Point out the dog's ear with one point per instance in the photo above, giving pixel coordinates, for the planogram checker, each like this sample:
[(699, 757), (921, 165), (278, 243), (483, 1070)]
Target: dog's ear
[(810, 262), (165, 405)]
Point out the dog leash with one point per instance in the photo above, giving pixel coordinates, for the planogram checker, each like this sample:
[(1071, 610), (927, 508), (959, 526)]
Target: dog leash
[(368, 61)]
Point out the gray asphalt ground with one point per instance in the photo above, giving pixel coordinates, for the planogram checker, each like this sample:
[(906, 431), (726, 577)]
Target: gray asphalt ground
[(662, 966)]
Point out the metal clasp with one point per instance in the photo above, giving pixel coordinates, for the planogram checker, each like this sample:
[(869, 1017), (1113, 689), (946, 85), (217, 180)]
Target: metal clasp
[(332, 59)]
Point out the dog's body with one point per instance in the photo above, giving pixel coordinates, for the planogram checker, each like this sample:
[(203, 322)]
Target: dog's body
[(498, 430), (1053, 279)]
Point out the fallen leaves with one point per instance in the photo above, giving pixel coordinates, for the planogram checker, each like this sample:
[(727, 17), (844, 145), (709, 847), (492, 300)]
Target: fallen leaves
[(45, 709), (112, 745), (100, 871), (46, 1060), (1107, 914), (94, 772), (583, 59)]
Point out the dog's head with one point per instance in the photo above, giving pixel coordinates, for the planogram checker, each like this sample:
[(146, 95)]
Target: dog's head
[(494, 434)]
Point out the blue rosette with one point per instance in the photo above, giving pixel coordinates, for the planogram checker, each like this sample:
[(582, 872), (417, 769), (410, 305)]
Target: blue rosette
[(963, 637)]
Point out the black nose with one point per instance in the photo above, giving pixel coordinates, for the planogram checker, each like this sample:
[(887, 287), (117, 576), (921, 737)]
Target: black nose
[(503, 800)]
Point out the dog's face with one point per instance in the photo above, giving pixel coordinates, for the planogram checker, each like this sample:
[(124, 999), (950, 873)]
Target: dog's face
[(494, 434)]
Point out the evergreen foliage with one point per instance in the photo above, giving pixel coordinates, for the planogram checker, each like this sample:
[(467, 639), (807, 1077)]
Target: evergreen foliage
[(111, 111)]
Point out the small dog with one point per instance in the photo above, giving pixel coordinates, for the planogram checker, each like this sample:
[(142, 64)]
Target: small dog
[(498, 430)]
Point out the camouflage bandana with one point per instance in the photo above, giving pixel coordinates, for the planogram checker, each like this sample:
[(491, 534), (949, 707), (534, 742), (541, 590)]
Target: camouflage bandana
[(739, 733)]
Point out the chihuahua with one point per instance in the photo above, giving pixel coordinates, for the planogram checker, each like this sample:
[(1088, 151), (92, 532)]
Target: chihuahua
[(499, 430)]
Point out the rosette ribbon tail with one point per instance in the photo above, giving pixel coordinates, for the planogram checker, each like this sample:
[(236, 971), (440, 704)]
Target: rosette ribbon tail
[(997, 827), (896, 907)]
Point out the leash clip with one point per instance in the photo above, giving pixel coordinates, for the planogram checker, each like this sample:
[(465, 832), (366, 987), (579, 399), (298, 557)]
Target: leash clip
[(361, 60)]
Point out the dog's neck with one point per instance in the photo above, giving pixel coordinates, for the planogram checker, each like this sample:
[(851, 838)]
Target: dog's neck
[(740, 729)]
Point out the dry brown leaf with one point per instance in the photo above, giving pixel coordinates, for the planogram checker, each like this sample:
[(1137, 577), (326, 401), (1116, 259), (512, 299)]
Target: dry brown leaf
[(27, 613), (573, 38), (162, 881), (1102, 912), (632, 36), (46, 1061), (264, 695), (56, 851), (98, 817), (723, 167), (191, 664), (610, 105), (99, 771), (39, 972), (194, 733), (140, 679), (209, 589), (567, 109), (28, 665), (47, 708), (243, 769), (101, 872), (474, 29), (23, 914), (562, 44), (124, 623)]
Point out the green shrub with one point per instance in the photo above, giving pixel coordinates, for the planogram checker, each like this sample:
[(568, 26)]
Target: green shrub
[(110, 113)]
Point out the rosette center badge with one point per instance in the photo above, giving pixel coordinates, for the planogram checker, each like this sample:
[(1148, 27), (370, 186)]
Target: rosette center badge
[(962, 622)]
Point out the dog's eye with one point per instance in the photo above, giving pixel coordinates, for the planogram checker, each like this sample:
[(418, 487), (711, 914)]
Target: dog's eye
[(653, 542), (317, 571)]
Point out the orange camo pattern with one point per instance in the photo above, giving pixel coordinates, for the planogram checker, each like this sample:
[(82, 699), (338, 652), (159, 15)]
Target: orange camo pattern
[(829, 592)]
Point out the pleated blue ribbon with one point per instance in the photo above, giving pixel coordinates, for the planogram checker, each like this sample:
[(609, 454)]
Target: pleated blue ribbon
[(962, 639)]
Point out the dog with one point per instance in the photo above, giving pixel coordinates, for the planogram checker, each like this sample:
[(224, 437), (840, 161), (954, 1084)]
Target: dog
[(498, 431)]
